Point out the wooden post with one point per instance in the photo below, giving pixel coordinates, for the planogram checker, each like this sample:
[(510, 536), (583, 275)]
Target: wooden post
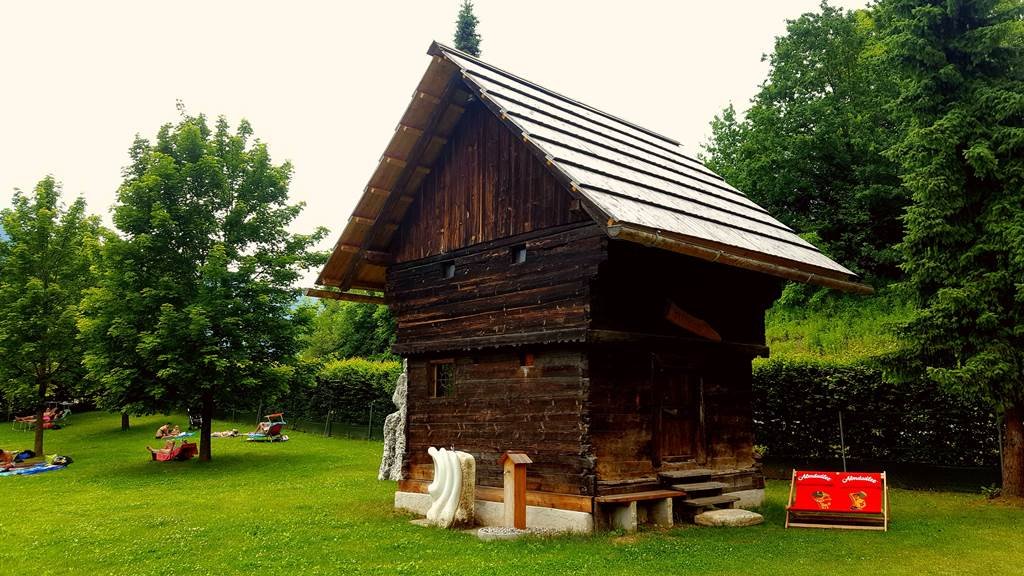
[(514, 463)]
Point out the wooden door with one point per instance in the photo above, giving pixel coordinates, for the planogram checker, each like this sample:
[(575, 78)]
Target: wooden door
[(679, 421)]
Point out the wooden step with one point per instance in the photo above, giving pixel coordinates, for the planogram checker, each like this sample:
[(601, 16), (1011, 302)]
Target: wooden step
[(699, 487), (605, 487), (709, 501), (684, 475), (638, 496)]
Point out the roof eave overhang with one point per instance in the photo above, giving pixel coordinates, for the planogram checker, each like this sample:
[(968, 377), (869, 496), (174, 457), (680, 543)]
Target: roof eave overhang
[(788, 270)]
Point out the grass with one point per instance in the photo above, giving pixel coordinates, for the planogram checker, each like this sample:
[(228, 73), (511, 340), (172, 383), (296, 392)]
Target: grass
[(313, 506), (825, 325)]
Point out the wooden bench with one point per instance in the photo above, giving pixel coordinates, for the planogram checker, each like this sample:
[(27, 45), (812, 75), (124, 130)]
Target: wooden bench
[(626, 511)]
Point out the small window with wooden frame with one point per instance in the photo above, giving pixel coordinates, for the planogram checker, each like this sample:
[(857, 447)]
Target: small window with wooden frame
[(442, 378)]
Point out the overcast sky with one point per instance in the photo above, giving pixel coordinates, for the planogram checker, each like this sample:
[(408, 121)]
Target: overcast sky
[(324, 84)]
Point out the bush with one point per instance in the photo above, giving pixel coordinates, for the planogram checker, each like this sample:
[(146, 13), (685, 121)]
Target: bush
[(797, 405), (346, 388)]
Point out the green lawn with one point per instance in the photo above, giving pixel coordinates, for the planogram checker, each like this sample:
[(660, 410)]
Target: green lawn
[(313, 506)]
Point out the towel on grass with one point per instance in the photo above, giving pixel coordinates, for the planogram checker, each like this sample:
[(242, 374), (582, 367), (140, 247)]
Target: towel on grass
[(38, 468)]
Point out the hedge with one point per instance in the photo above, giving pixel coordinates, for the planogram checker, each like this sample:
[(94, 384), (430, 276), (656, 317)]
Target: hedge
[(797, 405), (346, 388)]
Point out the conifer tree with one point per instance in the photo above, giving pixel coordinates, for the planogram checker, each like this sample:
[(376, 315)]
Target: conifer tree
[(963, 161), (466, 37)]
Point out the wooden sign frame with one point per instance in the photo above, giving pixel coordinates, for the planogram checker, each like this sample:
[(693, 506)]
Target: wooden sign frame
[(800, 518)]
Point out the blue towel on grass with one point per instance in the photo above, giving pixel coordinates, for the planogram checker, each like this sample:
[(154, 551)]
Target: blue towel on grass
[(37, 469)]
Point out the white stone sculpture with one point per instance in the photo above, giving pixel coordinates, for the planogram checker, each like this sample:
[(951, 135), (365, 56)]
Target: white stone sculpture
[(394, 430), (452, 491)]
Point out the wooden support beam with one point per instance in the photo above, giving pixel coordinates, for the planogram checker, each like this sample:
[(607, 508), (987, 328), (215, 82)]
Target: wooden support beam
[(621, 337), (361, 220), (372, 256), (620, 231), (410, 130), (393, 160), (690, 323), (348, 296), (348, 274), (428, 97)]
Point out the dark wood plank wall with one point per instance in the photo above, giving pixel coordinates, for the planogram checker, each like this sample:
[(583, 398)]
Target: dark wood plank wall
[(621, 412), (485, 185), (636, 282), (623, 408), (499, 405), (630, 295), (493, 301), (728, 412)]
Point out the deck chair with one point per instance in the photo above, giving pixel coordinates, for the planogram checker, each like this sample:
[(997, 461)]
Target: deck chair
[(186, 451), (274, 425)]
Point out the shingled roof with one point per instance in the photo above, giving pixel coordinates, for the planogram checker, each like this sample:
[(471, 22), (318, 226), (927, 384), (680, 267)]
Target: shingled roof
[(638, 185)]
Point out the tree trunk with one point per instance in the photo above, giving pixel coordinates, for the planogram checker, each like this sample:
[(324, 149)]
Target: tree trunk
[(124, 422), (1013, 452), (43, 382), (204, 430)]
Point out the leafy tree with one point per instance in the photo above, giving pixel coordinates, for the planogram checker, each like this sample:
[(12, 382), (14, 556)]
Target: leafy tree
[(339, 330), (194, 303), (45, 265), (810, 148), (963, 161), (466, 37)]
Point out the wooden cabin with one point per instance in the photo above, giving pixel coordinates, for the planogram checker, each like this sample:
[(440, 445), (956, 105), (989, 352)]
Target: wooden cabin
[(568, 284)]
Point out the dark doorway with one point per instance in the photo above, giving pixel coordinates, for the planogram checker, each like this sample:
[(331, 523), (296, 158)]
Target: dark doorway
[(679, 420)]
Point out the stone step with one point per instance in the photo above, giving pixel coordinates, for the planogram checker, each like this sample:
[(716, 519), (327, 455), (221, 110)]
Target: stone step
[(695, 487), (676, 459), (682, 476), (710, 501)]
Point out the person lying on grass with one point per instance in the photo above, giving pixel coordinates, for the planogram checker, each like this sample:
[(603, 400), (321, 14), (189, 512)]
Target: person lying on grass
[(225, 434), (167, 449), (166, 431), (8, 462)]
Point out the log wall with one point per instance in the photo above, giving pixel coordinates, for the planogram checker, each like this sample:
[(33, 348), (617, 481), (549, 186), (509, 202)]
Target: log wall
[(490, 300), (499, 405)]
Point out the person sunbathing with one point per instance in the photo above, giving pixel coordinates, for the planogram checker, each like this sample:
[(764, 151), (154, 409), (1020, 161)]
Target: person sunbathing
[(262, 428), (225, 434), (167, 449), (48, 415), (8, 460), (166, 431)]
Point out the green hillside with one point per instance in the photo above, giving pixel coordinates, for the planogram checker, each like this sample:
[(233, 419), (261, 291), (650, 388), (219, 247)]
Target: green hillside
[(811, 324)]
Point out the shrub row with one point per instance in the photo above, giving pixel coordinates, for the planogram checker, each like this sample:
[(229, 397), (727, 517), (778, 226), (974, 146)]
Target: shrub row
[(797, 406), (345, 388)]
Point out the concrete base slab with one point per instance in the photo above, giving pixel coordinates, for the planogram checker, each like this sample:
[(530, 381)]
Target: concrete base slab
[(493, 514), (412, 502)]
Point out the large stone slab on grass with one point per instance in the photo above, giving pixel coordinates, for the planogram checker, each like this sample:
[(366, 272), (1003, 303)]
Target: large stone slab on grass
[(728, 517)]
